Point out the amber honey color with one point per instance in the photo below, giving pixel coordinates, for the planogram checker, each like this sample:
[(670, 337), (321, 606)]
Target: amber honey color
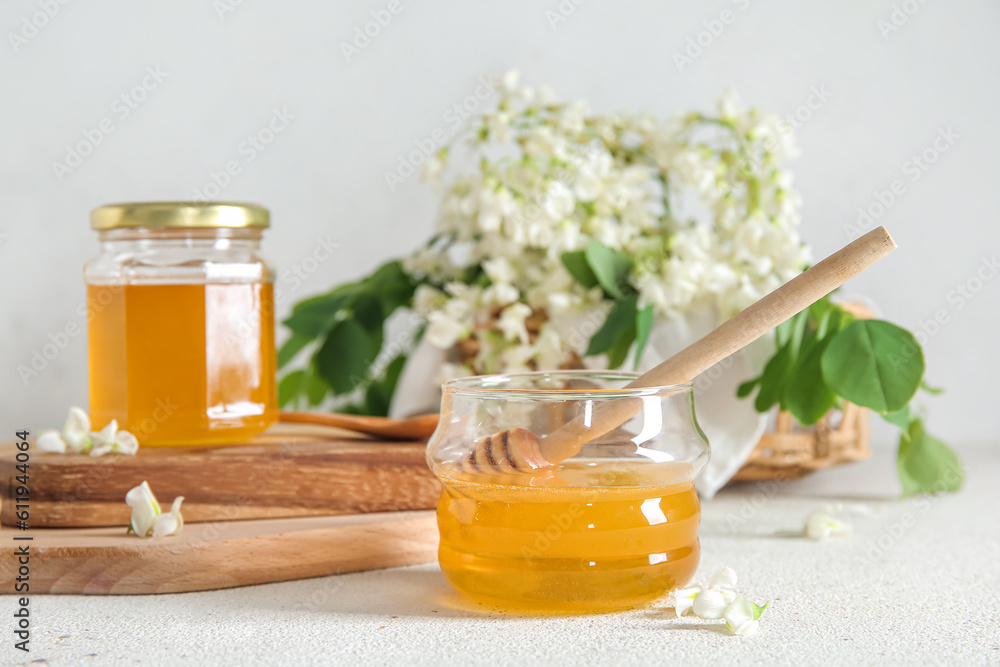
[(596, 536), (182, 364)]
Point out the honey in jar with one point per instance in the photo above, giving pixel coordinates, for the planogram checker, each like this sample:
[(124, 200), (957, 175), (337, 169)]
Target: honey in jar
[(181, 323), (613, 527), (582, 541)]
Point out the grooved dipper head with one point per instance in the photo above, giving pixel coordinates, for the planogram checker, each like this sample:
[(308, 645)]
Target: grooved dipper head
[(516, 449)]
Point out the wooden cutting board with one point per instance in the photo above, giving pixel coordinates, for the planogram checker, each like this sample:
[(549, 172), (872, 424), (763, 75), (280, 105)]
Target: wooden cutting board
[(223, 554), (290, 471)]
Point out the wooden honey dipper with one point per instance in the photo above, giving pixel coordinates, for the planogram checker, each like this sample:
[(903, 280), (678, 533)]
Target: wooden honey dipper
[(521, 450)]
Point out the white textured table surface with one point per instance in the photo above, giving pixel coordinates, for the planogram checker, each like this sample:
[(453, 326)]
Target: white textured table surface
[(890, 594)]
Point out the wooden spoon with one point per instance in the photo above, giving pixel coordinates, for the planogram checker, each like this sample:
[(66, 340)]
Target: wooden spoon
[(416, 428), (520, 449)]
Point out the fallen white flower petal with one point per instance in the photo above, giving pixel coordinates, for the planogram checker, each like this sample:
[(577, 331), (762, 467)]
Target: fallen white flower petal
[(110, 439), (742, 616), (51, 441), (723, 579), (820, 525), (684, 599), (76, 437), (76, 430), (745, 628), (144, 509), (126, 443), (171, 522), (147, 518), (710, 603), (739, 613)]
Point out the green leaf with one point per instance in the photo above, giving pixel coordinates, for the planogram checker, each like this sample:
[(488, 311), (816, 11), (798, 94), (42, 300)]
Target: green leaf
[(772, 380), (619, 320), (899, 418), (747, 388), (345, 356), (783, 332), (798, 334), (925, 464), (291, 348), (392, 285), (821, 310), (377, 400), (619, 351), (576, 264), (290, 387), (368, 311), (874, 364), (378, 395), (806, 394), (609, 266), (315, 388), (929, 389), (315, 316), (392, 372), (643, 327)]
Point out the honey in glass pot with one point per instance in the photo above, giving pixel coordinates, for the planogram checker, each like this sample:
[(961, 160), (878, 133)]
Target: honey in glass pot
[(181, 323), (611, 528)]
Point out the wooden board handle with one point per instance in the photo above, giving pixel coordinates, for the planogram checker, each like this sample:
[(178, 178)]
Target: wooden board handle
[(731, 336)]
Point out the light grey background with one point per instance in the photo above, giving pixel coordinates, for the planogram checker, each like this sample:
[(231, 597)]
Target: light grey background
[(226, 72)]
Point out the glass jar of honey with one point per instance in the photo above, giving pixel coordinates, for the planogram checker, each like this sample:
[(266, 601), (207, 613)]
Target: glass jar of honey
[(612, 527), (180, 322)]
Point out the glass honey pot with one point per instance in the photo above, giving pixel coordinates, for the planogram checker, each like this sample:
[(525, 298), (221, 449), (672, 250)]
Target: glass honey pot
[(612, 527), (180, 322)]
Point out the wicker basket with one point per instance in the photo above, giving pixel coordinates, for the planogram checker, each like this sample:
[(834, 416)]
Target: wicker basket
[(790, 450)]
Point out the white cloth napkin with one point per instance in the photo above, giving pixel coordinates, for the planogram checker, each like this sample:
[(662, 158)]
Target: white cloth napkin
[(733, 426)]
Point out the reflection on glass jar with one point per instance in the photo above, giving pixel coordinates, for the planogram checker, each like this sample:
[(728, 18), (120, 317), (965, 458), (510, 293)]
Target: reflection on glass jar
[(612, 527), (181, 323)]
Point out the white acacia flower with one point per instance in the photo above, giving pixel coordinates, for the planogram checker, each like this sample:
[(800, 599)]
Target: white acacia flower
[(76, 429), (442, 331), (684, 599), (426, 299), (743, 616), (511, 322), (51, 441), (516, 358), (549, 351), (559, 201), (499, 270), (148, 520), (171, 522), (77, 438), (508, 81), (822, 525), (500, 294), (673, 194), (434, 168), (730, 106), (74, 437), (144, 509), (110, 439), (712, 602), (720, 600)]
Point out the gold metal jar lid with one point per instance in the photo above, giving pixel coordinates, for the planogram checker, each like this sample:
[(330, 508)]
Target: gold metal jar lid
[(179, 215)]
